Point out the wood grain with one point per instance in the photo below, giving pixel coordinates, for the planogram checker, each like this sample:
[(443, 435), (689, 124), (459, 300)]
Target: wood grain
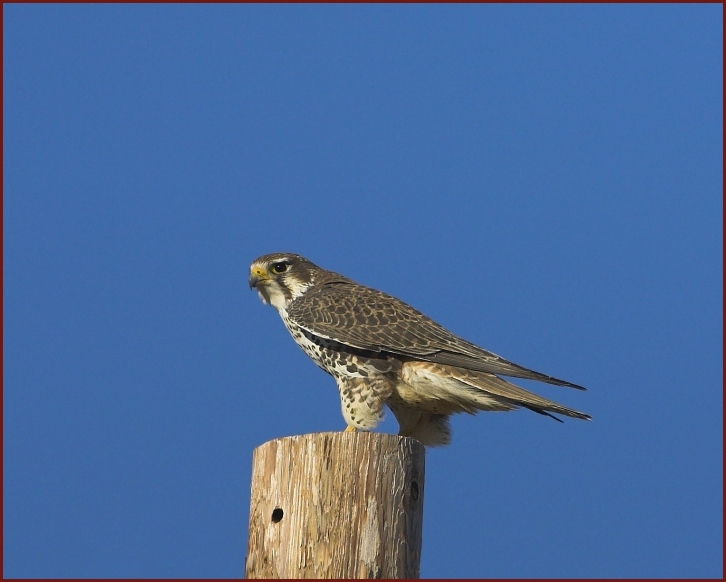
[(336, 505)]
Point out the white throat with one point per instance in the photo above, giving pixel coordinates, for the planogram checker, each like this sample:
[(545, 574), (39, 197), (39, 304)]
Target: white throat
[(278, 299)]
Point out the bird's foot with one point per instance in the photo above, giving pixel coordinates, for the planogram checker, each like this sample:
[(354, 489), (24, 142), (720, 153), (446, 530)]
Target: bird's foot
[(349, 429)]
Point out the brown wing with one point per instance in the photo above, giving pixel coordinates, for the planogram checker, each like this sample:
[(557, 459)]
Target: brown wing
[(367, 319)]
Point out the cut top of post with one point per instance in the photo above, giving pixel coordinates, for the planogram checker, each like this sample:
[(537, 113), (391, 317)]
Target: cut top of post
[(336, 505)]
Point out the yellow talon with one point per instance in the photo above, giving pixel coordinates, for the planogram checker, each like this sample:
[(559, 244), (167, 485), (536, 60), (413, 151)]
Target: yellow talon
[(349, 429)]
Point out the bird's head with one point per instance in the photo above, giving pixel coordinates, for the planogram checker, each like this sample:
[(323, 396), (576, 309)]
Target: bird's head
[(281, 277)]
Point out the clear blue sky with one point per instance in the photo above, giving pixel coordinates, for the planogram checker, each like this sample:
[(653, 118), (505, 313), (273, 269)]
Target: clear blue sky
[(545, 181)]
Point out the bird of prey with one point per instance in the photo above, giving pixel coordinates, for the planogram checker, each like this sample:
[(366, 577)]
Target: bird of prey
[(382, 352)]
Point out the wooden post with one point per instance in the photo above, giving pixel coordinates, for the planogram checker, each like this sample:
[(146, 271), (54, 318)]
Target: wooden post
[(336, 505)]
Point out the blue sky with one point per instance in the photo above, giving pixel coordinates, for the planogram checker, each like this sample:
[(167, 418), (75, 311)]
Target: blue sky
[(544, 180)]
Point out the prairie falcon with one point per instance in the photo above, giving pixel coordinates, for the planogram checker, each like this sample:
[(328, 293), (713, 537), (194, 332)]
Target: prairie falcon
[(382, 352)]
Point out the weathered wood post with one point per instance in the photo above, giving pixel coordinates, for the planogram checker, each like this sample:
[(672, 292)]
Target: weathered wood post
[(336, 505)]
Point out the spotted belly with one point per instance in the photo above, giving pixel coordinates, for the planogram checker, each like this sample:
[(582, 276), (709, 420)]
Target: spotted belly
[(365, 378), (340, 360)]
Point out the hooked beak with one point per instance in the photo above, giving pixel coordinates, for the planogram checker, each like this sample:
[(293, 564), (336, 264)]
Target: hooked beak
[(257, 275)]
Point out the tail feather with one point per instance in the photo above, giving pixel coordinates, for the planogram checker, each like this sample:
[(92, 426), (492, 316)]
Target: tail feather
[(443, 389), (494, 386)]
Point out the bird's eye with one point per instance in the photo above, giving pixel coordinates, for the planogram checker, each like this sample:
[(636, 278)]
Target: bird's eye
[(280, 267)]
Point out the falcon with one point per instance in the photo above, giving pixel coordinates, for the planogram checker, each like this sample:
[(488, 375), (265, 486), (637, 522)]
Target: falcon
[(382, 351)]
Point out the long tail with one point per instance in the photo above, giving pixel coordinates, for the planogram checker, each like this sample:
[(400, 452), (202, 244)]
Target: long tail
[(443, 389), (483, 386)]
